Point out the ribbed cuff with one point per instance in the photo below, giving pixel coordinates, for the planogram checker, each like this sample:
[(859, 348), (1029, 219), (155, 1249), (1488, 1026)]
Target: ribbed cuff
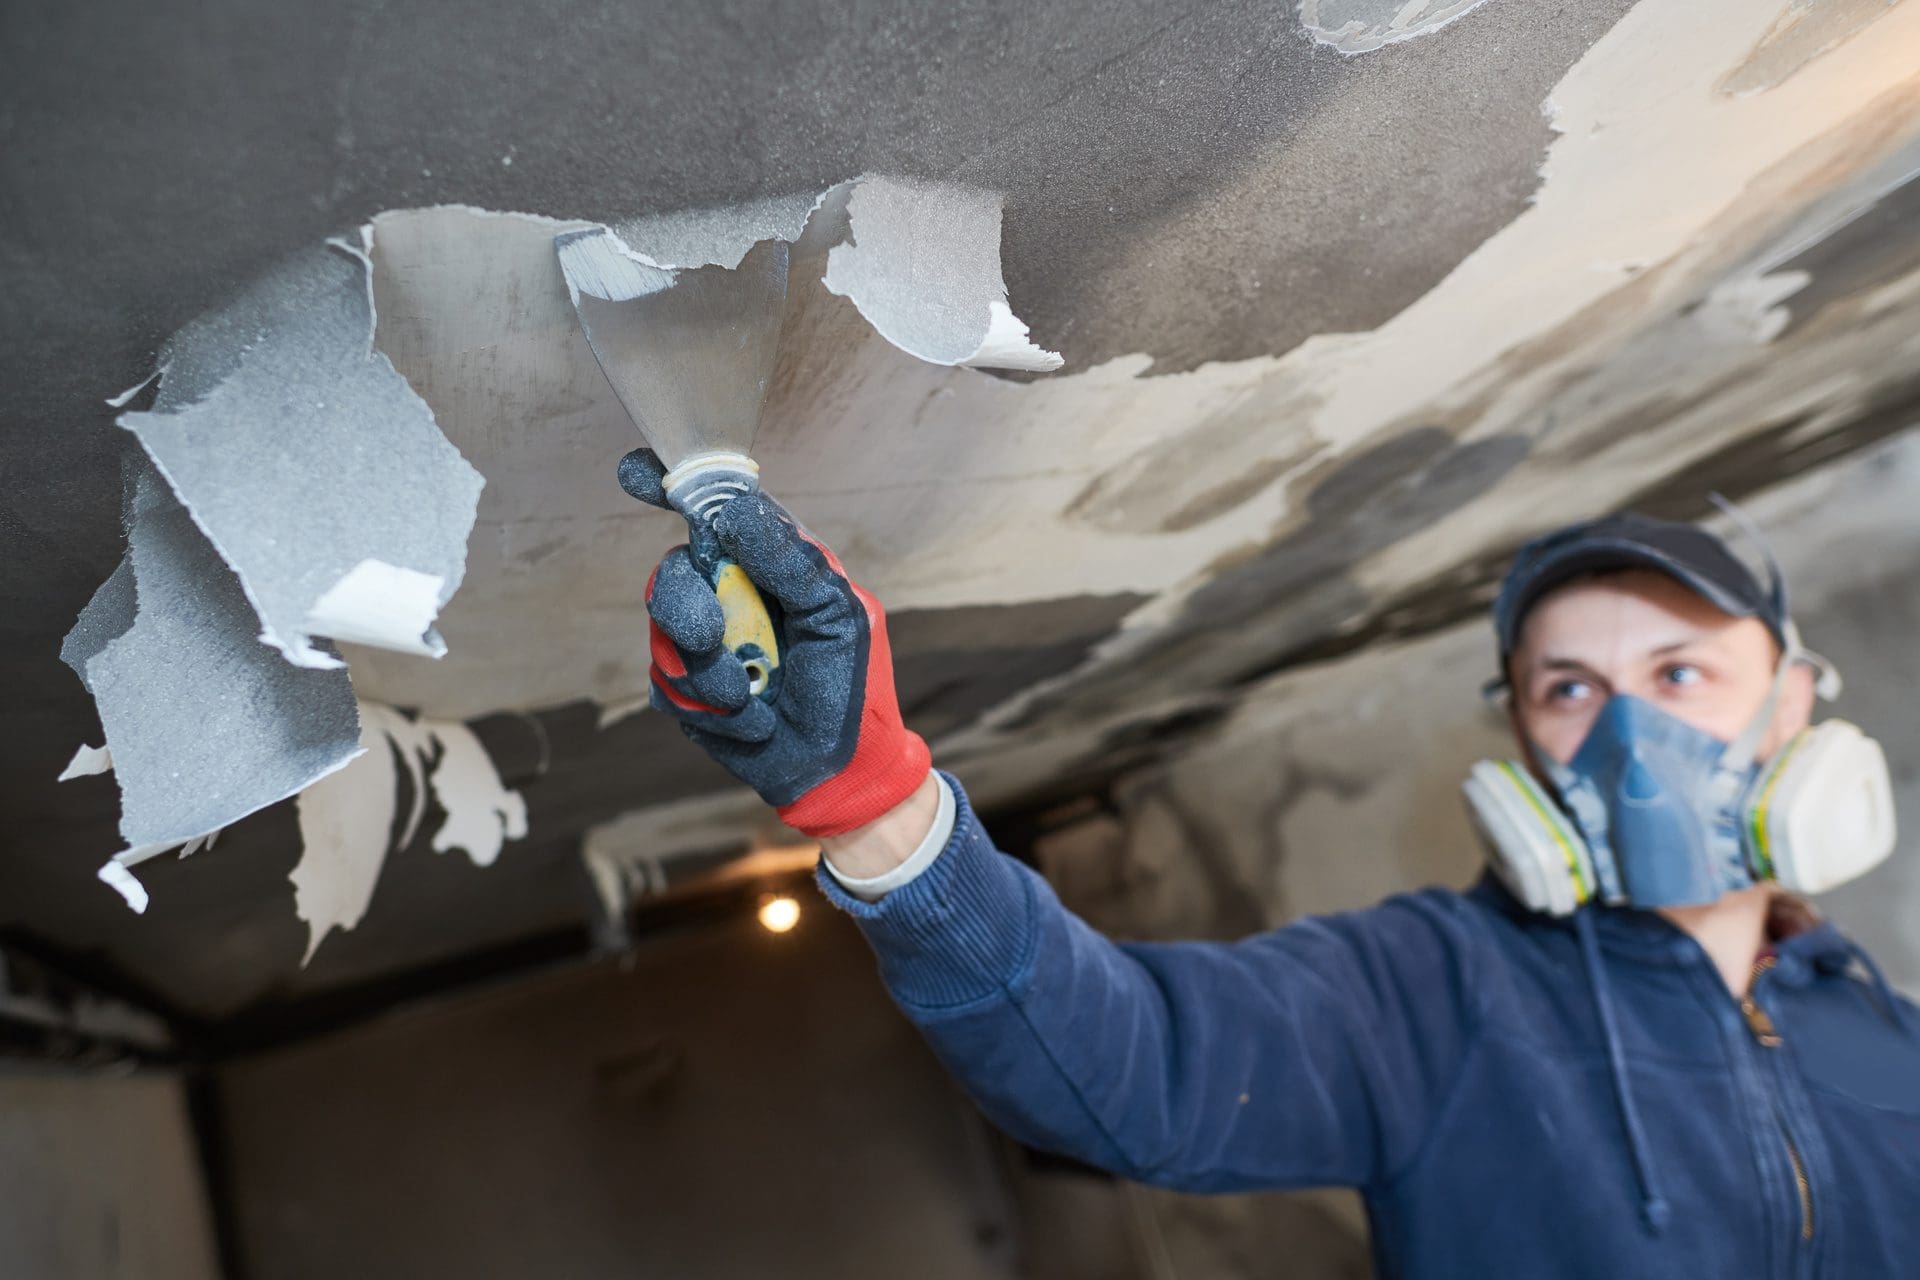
[(961, 930)]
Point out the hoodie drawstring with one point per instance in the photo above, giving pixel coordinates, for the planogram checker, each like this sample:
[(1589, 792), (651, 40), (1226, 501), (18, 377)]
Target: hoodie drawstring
[(1653, 1206)]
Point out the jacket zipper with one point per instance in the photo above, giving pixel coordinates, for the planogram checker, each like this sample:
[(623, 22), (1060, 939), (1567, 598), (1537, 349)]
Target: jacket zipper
[(1769, 1036)]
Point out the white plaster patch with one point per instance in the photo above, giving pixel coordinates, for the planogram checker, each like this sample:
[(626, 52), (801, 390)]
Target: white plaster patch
[(346, 825), (718, 236), (482, 814), (347, 819), (1749, 309)]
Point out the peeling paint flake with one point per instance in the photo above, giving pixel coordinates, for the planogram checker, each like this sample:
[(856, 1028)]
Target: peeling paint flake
[(106, 616), (923, 266), (306, 459), (1361, 26), (719, 236), (86, 762), (205, 724), (126, 884)]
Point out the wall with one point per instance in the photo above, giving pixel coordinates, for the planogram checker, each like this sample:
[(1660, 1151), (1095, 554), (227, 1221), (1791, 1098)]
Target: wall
[(733, 1103), (99, 1179)]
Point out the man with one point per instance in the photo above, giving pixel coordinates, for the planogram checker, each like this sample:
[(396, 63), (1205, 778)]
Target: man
[(1659, 1064)]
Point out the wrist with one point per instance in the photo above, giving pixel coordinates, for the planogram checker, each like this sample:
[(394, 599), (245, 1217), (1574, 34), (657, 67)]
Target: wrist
[(889, 840)]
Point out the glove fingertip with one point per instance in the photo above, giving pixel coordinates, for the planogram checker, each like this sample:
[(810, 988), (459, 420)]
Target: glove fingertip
[(641, 476)]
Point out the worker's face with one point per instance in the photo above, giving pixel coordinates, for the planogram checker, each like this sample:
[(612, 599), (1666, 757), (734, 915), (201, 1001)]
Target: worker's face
[(1644, 633)]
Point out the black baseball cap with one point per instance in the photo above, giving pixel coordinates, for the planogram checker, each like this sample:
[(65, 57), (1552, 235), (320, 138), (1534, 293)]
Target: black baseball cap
[(1629, 540)]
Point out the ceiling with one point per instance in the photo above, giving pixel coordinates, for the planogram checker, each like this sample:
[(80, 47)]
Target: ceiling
[(1348, 310)]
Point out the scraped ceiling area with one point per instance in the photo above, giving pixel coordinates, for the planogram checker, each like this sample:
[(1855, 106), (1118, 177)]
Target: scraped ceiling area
[(292, 482), (1352, 298)]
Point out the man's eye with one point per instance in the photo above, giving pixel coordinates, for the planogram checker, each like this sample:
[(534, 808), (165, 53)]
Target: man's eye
[(1682, 673), (1567, 690)]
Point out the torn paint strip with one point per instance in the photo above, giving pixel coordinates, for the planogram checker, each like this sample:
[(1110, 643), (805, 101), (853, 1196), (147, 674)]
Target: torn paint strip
[(1361, 26), (922, 264), (919, 259), (718, 236), (117, 870), (107, 615), (205, 725), (310, 464), (125, 397)]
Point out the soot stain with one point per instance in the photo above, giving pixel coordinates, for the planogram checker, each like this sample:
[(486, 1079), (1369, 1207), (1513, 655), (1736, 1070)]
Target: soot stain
[(1177, 484), (952, 665), (1298, 589), (1880, 245)]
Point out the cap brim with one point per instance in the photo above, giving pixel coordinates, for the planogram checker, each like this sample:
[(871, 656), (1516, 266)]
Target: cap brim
[(1557, 568)]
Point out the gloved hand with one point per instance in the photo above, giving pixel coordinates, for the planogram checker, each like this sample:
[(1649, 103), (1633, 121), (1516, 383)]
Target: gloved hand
[(827, 749)]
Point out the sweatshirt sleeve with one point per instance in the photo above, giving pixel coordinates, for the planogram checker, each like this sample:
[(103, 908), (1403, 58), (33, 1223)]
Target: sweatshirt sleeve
[(1312, 1055)]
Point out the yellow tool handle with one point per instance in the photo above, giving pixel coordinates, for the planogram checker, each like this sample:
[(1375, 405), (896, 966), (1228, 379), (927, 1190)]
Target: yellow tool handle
[(752, 632), (750, 635)]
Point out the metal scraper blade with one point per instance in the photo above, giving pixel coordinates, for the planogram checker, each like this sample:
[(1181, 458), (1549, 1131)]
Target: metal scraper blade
[(689, 352)]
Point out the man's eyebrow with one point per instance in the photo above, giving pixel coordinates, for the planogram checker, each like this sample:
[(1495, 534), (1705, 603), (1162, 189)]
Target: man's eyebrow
[(1556, 662)]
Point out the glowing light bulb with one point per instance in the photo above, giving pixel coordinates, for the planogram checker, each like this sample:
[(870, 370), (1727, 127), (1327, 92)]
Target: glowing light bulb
[(779, 914)]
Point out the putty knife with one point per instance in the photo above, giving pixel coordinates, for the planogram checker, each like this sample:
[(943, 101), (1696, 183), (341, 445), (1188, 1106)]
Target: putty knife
[(689, 354)]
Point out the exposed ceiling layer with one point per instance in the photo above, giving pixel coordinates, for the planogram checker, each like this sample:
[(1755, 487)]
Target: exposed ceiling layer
[(1351, 304)]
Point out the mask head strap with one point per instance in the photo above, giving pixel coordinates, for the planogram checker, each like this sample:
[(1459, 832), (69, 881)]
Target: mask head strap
[(1827, 681)]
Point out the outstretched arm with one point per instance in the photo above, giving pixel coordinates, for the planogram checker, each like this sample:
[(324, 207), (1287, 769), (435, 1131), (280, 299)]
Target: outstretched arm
[(1314, 1054)]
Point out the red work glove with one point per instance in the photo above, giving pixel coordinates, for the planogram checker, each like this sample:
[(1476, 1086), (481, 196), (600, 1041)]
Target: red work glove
[(825, 745)]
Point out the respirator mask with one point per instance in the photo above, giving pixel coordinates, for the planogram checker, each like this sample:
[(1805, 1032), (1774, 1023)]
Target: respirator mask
[(1652, 812)]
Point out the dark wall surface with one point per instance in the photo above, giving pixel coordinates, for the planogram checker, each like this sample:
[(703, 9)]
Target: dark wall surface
[(733, 1103)]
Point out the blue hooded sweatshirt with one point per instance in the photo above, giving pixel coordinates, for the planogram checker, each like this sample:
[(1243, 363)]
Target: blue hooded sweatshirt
[(1512, 1094)]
